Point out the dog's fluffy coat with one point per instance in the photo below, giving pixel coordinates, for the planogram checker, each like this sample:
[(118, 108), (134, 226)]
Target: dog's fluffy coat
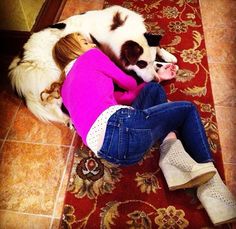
[(119, 32)]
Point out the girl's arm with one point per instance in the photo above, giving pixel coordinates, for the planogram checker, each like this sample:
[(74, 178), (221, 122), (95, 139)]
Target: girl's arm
[(105, 65), (127, 97)]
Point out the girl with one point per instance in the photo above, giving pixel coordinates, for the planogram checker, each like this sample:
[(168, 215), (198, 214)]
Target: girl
[(121, 126)]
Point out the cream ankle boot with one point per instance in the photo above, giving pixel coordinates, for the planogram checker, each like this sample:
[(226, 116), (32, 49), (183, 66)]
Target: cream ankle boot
[(179, 169), (218, 201)]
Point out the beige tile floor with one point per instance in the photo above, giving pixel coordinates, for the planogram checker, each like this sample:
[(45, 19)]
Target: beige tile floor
[(219, 23), (35, 158)]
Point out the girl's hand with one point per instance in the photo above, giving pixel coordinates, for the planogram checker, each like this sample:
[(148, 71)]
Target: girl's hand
[(167, 72)]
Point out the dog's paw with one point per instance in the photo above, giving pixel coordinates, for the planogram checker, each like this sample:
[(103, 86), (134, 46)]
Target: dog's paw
[(167, 57)]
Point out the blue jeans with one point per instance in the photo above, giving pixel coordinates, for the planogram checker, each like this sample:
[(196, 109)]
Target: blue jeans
[(131, 132)]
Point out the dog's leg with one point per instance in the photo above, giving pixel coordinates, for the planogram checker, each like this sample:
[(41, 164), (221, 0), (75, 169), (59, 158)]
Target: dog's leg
[(49, 111), (59, 116), (166, 56)]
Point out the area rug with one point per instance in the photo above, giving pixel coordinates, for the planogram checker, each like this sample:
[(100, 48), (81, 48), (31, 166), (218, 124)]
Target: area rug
[(102, 195)]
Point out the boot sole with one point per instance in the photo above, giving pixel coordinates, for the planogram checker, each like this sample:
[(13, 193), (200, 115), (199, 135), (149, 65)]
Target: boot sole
[(177, 179), (233, 220), (195, 182)]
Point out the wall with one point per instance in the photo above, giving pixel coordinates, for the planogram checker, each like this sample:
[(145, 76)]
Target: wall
[(19, 15)]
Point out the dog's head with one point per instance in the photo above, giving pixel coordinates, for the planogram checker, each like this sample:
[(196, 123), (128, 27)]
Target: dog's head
[(139, 56)]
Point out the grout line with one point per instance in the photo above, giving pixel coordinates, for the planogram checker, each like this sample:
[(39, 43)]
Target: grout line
[(230, 163), (26, 213), (38, 143), (71, 151), (219, 27), (222, 63), (216, 105)]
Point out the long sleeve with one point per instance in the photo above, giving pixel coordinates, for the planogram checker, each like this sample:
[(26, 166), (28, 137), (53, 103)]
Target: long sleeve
[(105, 65), (127, 97)]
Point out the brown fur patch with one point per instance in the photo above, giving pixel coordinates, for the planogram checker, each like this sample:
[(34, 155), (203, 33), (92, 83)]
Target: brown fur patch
[(130, 52), (108, 51), (117, 21), (119, 63)]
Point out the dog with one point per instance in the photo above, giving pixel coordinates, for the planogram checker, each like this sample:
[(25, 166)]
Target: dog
[(118, 31)]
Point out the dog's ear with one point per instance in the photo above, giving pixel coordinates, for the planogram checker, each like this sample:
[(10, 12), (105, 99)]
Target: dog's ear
[(94, 40), (130, 52), (58, 26), (153, 39)]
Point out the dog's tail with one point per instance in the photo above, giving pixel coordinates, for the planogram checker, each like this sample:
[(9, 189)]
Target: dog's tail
[(30, 76), (29, 79), (12, 74), (47, 112)]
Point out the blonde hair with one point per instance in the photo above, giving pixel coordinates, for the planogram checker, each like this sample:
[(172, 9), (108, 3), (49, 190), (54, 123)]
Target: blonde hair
[(65, 50)]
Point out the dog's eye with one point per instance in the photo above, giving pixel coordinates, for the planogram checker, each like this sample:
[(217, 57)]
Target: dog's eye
[(141, 64)]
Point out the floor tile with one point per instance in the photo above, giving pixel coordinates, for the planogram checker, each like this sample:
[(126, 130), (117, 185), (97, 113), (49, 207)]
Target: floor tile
[(230, 174), (222, 11), (227, 128), (77, 141), (9, 104), (221, 45), (220, 36), (30, 176), (1, 142), (74, 7), (223, 83), (15, 220), (60, 200), (28, 128), (55, 224)]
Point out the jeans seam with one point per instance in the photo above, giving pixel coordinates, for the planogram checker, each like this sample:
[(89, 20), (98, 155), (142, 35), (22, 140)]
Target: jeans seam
[(160, 112), (201, 134), (111, 137)]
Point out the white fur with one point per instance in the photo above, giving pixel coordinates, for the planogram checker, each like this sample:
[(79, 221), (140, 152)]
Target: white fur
[(37, 70), (133, 29), (166, 56)]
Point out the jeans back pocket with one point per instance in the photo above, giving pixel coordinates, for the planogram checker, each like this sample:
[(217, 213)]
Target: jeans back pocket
[(140, 140)]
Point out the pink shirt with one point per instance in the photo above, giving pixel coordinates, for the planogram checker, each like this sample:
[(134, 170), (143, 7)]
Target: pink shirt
[(89, 90)]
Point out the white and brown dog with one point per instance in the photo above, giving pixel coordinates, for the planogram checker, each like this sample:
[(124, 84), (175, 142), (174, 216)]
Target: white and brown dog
[(119, 32)]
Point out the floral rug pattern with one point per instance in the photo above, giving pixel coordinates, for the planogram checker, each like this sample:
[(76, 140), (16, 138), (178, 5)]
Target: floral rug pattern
[(103, 195)]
